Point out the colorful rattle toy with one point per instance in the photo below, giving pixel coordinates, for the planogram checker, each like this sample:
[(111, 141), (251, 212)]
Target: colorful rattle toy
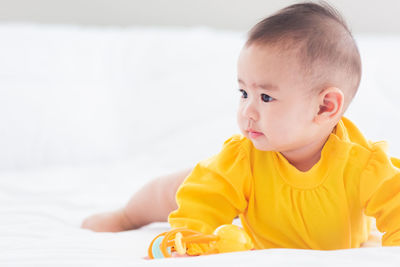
[(226, 238)]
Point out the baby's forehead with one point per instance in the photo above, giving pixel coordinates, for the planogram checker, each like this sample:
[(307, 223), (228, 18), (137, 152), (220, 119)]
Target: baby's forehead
[(266, 58), (286, 52), (264, 66)]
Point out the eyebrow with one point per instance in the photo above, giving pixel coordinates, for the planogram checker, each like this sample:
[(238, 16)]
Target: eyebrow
[(266, 86)]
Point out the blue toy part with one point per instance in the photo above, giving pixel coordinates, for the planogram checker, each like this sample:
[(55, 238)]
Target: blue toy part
[(155, 249)]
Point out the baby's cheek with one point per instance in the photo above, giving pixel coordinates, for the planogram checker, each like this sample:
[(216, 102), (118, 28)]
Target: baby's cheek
[(238, 116), (240, 122)]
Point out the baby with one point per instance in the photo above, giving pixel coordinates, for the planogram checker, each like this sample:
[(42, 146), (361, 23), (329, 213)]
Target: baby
[(300, 175)]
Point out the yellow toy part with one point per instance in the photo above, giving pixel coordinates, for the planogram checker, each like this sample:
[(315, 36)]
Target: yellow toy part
[(231, 238), (226, 238)]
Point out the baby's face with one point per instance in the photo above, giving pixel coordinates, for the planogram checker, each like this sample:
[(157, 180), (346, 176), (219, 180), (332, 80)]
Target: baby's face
[(276, 109)]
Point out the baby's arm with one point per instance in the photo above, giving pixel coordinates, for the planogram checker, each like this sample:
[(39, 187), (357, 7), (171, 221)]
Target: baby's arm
[(380, 193), (152, 203)]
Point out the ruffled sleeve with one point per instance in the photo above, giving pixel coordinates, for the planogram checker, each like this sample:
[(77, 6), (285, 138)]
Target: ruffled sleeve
[(380, 193), (216, 190)]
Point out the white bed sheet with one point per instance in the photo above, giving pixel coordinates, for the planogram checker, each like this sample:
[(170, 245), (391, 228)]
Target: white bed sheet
[(81, 138)]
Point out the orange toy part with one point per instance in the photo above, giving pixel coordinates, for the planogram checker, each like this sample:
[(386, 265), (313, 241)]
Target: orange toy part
[(226, 238)]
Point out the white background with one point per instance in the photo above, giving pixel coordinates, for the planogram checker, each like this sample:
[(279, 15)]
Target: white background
[(364, 16)]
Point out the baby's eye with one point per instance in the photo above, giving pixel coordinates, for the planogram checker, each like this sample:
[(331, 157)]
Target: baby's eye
[(244, 94), (266, 98)]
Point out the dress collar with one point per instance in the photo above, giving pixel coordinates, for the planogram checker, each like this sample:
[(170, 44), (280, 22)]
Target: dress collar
[(332, 154)]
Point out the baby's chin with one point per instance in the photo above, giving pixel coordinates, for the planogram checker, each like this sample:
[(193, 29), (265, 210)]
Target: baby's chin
[(261, 145)]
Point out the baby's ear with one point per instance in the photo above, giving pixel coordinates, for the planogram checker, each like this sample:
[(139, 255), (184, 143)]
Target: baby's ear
[(330, 102)]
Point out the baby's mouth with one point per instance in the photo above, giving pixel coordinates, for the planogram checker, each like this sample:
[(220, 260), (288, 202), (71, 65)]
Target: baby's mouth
[(254, 134)]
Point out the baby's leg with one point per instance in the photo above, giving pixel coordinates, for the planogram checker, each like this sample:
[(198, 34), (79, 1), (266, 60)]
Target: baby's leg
[(152, 203)]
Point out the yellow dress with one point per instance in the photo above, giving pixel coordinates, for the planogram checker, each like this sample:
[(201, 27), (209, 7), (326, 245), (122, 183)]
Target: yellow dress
[(279, 206)]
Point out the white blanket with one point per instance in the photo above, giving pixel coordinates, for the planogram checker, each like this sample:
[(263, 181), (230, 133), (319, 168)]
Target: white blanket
[(88, 115)]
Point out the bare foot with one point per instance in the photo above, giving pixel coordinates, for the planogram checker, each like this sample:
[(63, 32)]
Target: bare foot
[(114, 221)]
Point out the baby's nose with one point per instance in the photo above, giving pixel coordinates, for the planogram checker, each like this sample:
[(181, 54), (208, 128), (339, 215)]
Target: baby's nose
[(250, 112)]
